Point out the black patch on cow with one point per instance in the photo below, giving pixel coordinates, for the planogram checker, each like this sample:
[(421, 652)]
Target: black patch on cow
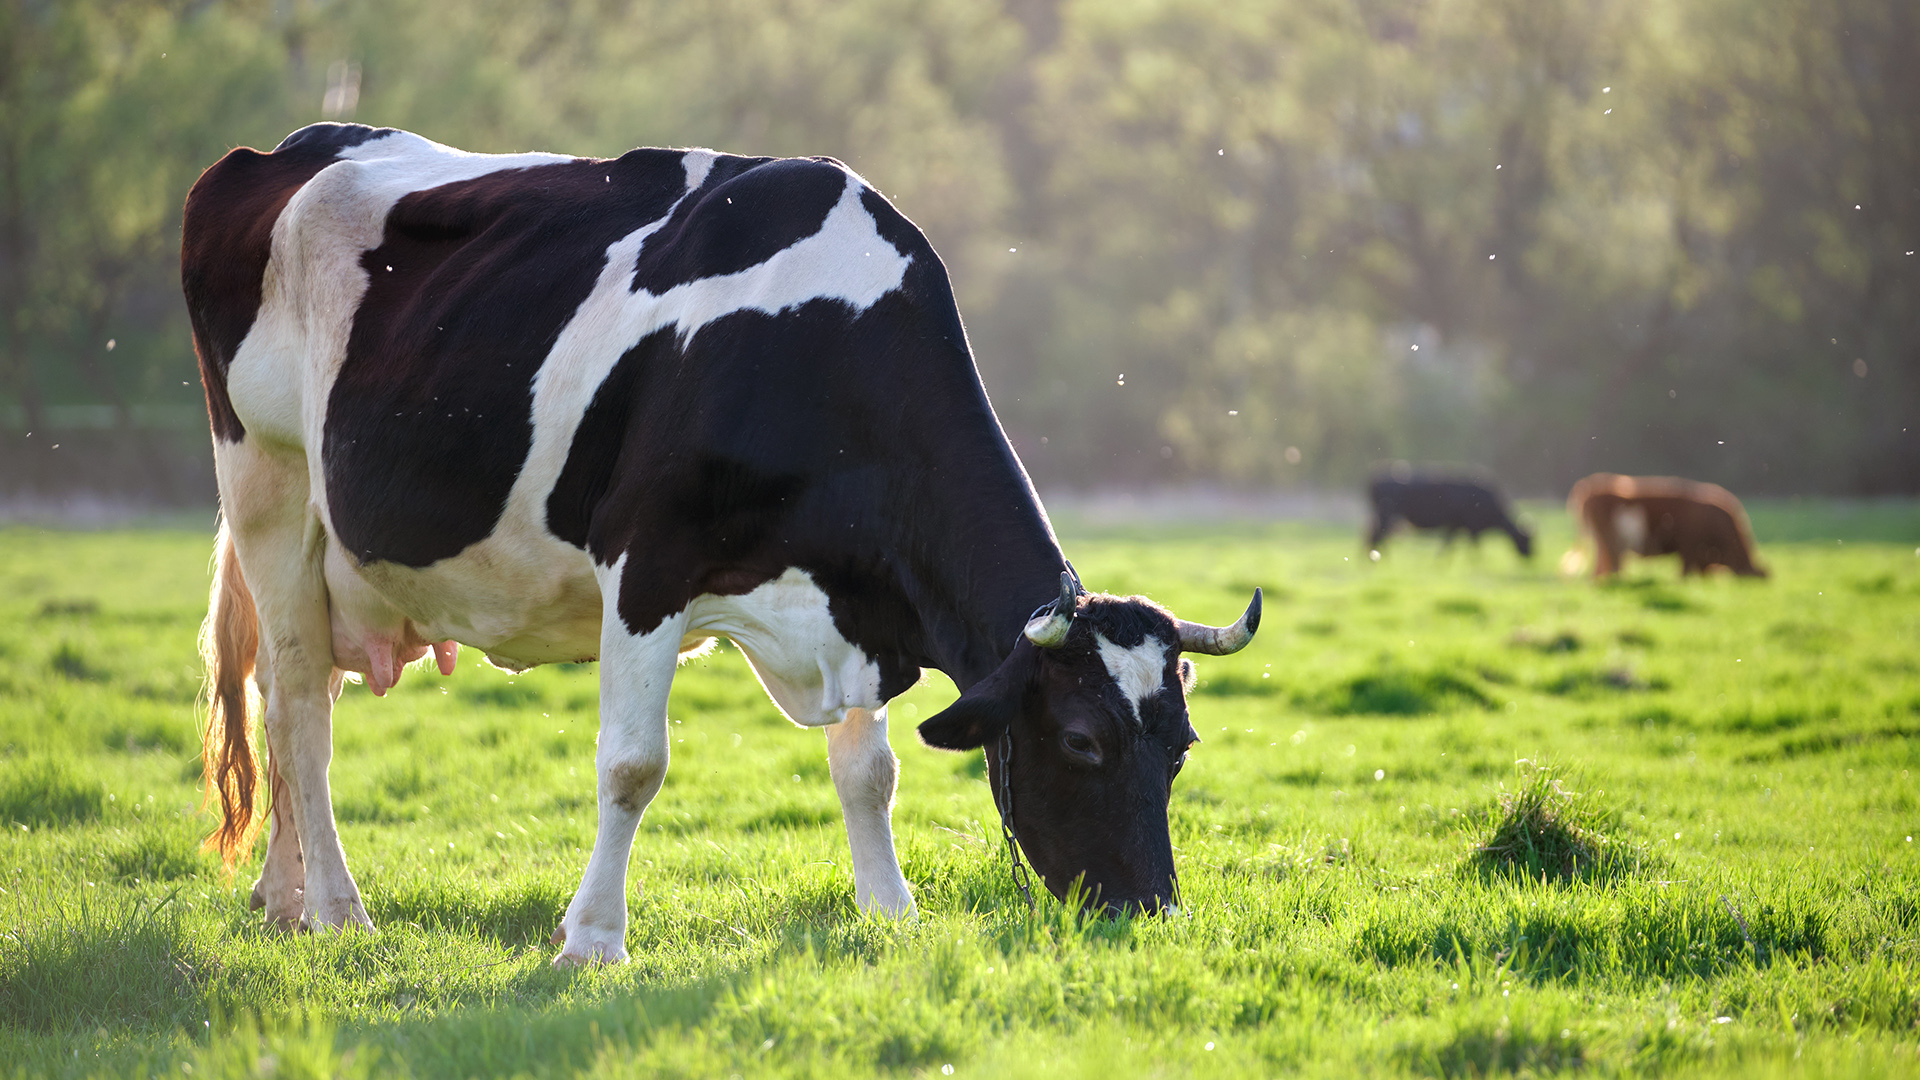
[(430, 418), (740, 219), (1126, 620), (331, 137), (227, 239)]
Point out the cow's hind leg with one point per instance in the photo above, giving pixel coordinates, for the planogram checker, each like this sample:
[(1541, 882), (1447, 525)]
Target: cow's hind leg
[(283, 878), (630, 764), (865, 772), (281, 887), (280, 545)]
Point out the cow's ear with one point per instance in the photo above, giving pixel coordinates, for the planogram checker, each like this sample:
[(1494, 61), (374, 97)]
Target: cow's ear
[(988, 707)]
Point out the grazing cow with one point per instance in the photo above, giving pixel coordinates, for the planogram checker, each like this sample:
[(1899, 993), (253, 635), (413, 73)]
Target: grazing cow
[(1455, 506), (1663, 515), (561, 409)]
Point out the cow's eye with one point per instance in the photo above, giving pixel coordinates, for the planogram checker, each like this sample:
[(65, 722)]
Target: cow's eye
[(1081, 745), (1179, 762)]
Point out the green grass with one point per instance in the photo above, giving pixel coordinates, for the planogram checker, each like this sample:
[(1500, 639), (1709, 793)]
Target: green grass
[(1453, 815)]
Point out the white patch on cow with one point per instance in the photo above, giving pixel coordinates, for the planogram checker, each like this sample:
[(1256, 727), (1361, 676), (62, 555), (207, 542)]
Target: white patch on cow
[(786, 630), (697, 163), (1140, 671), (1630, 528)]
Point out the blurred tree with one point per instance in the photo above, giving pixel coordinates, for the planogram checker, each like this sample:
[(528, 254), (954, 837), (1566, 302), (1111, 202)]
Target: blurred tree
[(1244, 241)]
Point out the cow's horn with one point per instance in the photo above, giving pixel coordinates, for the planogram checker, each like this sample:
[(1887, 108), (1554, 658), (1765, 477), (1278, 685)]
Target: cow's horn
[(1049, 631), (1220, 640)]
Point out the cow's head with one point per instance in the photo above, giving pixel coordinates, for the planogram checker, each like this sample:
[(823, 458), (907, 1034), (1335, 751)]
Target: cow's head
[(1091, 710)]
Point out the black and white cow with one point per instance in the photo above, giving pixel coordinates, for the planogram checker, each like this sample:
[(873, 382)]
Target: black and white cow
[(559, 408)]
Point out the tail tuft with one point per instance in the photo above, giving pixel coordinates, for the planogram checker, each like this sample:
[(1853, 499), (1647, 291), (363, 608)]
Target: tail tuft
[(229, 643)]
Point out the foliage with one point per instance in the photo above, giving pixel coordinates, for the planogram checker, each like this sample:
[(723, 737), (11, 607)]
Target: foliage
[(1250, 241), (1336, 918)]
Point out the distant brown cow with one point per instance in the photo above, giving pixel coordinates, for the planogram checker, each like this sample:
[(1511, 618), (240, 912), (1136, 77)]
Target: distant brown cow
[(1663, 515)]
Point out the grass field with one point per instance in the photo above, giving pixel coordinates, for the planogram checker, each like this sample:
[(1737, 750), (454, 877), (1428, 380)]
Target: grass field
[(1733, 762)]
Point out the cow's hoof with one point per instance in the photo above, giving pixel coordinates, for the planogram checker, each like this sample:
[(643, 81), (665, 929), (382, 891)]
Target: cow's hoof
[(285, 924), (285, 914), (891, 902), (588, 946), (258, 898), (346, 917)]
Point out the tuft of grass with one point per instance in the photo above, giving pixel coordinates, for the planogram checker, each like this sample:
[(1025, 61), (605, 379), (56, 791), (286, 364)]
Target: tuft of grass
[(502, 695), (1547, 829), (159, 854), (70, 661), (1603, 681), (45, 791), (105, 958), (1399, 692), (67, 607), (1238, 684), (1565, 641), (1662, 600)]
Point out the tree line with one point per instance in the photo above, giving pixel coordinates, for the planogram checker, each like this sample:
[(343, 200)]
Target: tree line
[(1271, 243)]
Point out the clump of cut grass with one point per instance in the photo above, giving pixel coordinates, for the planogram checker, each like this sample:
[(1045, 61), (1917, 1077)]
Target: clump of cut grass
[(45, 791), (1549, 825)]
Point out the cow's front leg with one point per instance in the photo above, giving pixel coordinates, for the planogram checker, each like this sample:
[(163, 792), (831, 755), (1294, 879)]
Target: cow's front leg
[(865, 773), (635, 672)]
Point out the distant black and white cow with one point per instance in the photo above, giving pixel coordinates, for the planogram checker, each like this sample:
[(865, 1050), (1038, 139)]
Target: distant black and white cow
[(558, 408), (1447, 504)]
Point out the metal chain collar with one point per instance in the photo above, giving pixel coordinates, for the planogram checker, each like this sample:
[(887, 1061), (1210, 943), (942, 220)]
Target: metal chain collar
[(1021, 879)]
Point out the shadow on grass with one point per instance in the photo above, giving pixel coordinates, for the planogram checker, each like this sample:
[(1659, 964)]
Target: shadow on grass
[(1395, 691), (515, 916), (46, 791), (163, 851)]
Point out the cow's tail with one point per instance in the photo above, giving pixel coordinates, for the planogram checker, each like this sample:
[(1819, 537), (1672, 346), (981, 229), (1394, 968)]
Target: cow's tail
[(229, 643)]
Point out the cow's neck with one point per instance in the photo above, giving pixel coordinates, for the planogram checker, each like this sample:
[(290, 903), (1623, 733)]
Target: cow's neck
[(985, 561)]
